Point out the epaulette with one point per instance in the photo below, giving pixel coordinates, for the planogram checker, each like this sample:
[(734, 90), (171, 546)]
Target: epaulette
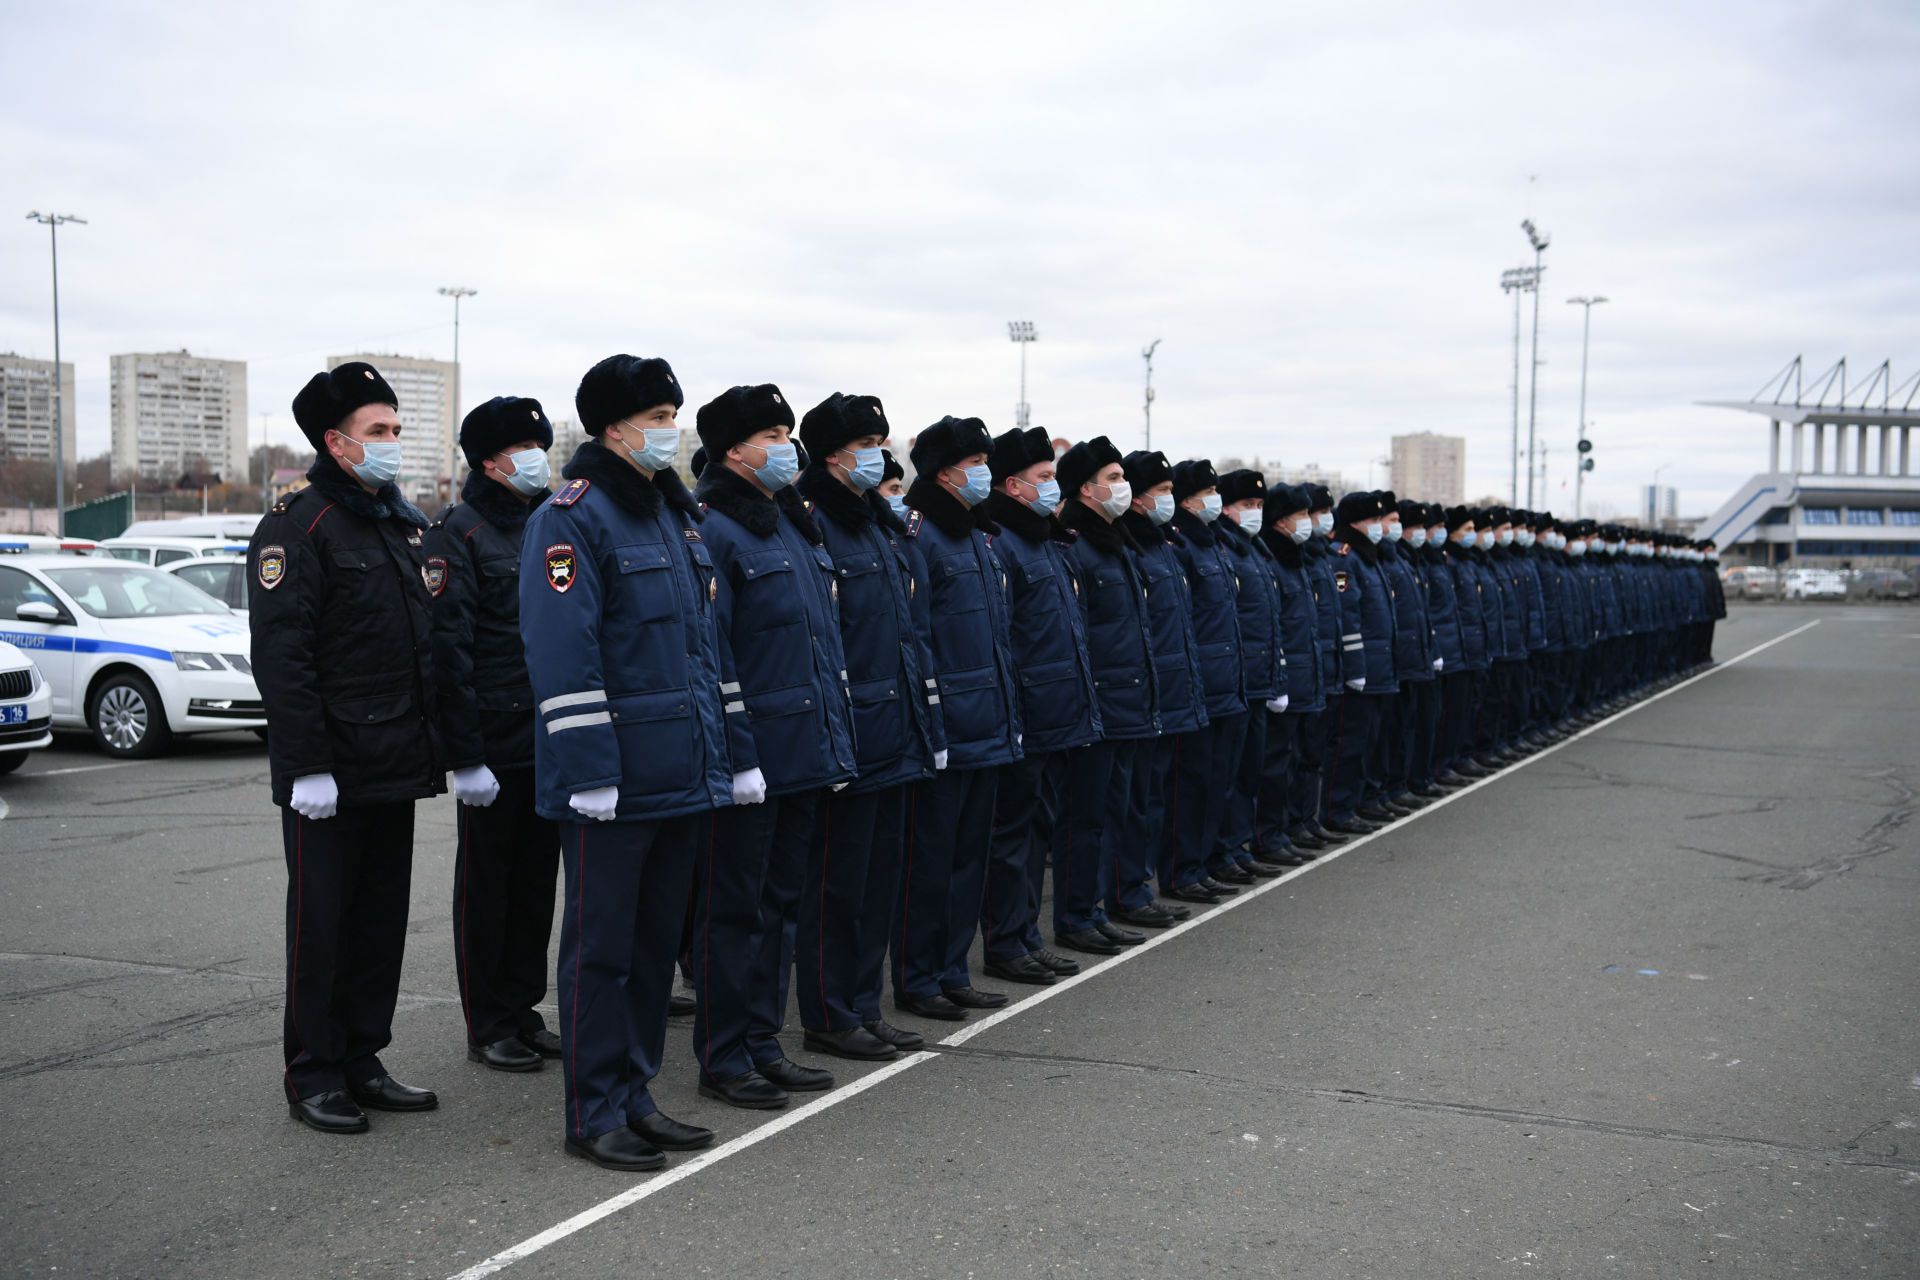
[(1343, 548), (913, 524), (571, 492), (808, 504)]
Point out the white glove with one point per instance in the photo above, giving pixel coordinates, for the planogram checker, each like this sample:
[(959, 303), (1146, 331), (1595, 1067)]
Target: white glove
[(749, 787), (839, 786), (940, 759), (598, 804), (1439, 664), (1278, 704), (476, 786), (1357, 685), (315, 796)]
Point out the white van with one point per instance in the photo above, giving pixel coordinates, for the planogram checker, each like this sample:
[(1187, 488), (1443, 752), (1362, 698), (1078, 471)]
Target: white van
[(159, 551)]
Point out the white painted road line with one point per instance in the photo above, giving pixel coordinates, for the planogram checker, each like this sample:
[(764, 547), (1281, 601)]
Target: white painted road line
[(84, 768), (560, 1231)]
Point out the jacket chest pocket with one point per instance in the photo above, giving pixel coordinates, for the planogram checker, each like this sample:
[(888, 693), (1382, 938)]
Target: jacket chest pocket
[(1155, 578), (646, 581), (354, 572), (1108, 591), (702, 573), (500, 579), (862, 574), (957, 584), (1038, 589), (767, 591)]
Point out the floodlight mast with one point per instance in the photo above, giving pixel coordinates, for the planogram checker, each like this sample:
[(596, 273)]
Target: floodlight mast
[(1022, 334), (52, 223), (1147, 355), (456, 292), (1539, 242), (1582, 462), (1517, 280)]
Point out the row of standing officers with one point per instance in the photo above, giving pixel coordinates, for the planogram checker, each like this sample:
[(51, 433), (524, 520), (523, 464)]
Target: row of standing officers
[(803, 726)]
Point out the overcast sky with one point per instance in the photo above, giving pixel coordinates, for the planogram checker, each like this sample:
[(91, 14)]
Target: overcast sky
[(1311, 205)]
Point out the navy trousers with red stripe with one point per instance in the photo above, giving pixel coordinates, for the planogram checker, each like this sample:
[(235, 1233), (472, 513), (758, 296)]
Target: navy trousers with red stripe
[(1025, 810), (847, 905), (504, 872), (1353, 732), (1135, 854), (950, 828), (626, 895), (347, 893), (1093, 816), (1197, 798)]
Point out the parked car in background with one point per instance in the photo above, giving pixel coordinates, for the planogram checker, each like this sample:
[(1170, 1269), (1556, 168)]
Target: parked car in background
[(1882, 584), (232, 526), (1751, 582), (26, 708), (24, 544), (222, 577), (1814, 584), (162, 551)]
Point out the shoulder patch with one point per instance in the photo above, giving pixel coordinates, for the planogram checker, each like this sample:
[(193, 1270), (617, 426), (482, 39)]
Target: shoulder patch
[(561, 563), (272, 566), (1340, 580), (436, 574), (913, 524), (570, 493)]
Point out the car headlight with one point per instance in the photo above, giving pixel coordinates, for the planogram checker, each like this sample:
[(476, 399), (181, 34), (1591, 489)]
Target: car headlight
[(187, 661)]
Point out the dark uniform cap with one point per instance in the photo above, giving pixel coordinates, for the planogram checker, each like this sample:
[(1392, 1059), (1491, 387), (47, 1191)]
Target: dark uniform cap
[(1191, 477), (502, 421), (947, 441), (1285, 499), (1238, 486), (1146, 469), (1016, 450), (1357, 507), (1411, 512), (1320, 498), (1458, 517), (1543, 520), (1083, 462), (738, 412), (328, 398), (621, 386), (1496, 515), (892, 470), (828, 426)]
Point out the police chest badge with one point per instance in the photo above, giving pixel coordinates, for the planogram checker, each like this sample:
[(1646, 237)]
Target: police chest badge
[(436, 574), (560, 566), (273, 566)]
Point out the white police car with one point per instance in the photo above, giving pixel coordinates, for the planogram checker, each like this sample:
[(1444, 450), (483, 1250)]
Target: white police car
[(132, 653), (26, 708)]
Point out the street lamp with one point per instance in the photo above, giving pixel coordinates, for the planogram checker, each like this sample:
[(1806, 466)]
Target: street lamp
[(1147, 355), (1539, 243), (1516, 281), (1653, 497), (456, 292), (1582, 464), (1022, 334), (52, 222)]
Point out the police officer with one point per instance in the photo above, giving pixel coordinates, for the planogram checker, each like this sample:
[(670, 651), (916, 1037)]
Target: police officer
[(775, 603), (1243, 496), (508, 856), (1367, 633), (1285, 536), (342, 652), (859, 836), (950, 815), (1048, 637), (631, 751), (1310, 760)]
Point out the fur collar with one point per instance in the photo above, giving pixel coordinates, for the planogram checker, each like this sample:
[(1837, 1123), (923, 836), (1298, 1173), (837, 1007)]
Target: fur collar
[(630, 490), (931, 499), (850, 510), (1356, 542), (1144, 532), (337, 486), (1284, 548), (1088, 523), (1021, 518), (1192, 526), (729, 493), (503, 507)]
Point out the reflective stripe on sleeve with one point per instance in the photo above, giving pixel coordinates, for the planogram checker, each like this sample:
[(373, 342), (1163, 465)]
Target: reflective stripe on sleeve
[(733, 707), (579, 722), (729, 686), (573, 700)]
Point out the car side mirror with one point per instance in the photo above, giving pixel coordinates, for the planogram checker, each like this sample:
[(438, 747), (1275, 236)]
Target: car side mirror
[(37, 611)]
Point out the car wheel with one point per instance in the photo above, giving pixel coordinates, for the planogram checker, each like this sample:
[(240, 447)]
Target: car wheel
[(11, 760), (127, 717)]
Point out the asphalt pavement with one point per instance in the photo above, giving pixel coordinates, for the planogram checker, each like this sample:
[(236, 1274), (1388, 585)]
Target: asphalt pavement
[(1644, 1005)]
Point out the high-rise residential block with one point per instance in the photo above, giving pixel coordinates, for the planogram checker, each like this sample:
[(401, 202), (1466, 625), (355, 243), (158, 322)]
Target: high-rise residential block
[(26, 409), (428, 421), (1430, 468), (176, 413)]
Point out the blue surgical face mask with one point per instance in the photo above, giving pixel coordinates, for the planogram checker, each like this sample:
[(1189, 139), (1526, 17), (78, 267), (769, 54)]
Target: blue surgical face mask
[(1504, 537), (1046, 497), (1416, 537), (1437, 536), (1162, 508), (1251, 519), (380, 462), (1373, 530), (781, 466), (869, 468), (898, 501), (1485, 538), (529, 471), (1302, 529), (1210, 508), (661, 446), (979, 484), (1391, 532), (1465, 539), (1119, 498), (1323, 522)]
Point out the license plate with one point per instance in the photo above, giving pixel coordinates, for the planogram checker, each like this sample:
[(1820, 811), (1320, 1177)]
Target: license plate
[(16, 714)]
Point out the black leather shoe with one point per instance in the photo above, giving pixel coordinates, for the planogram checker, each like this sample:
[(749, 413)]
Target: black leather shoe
[(621, 1150), (543, 1042), (1091, 941), (330, 1112), (1429, 791), (1021, 969), (1218, 887), (668, 1134), (1350, 827), (1175, 911), (903, 1040), (1115, 934), (794, 1078), (384, 1093), (974, 998), (1151, 916), (505, 1055), (930, 1007), (1378, 814), (1403, 807), (1232, 873), (679, 1006), (1195, 892), (1410, 802), (1061, 965), (1301, 838), (749, 1089), (1267, 867), (857, 1043), (1452, 780), (1331, 837)]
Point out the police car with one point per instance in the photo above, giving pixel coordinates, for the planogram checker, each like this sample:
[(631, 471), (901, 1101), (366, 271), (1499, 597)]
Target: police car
[(222, 577), (131, 653), (26, 708)]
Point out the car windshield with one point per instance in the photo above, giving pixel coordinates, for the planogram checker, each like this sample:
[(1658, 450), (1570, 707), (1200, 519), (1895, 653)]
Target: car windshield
[(127, 592)]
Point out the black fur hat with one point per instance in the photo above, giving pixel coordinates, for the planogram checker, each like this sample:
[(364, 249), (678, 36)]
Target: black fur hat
[(947, 441), (1458, 518), (328, 398), (1319, 497), (1238, 486), (621, 386), (1357, 507), (1016, 450), (1191, 477), (1083, 462), (502, 421), (892, 470), (1285, 499), (737, 413), (1146, 469), (828, 426)]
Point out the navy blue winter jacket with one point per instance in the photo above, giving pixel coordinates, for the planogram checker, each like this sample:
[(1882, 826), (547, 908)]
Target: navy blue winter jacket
[(1049, 632), (1261, 675), (1216, 612), (1114, 604), (1180, 693)]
